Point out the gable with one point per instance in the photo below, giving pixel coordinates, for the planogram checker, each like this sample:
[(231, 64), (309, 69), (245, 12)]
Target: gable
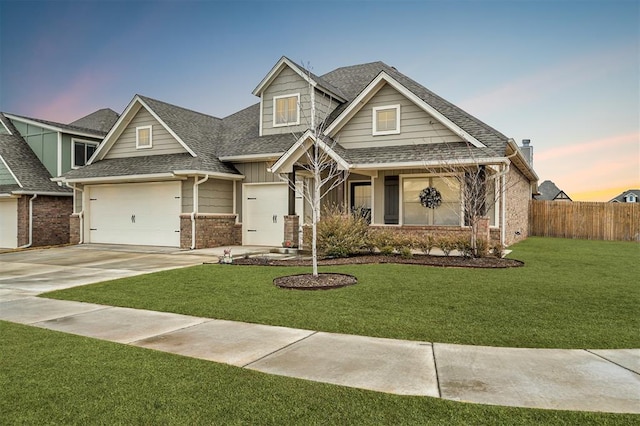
[(287, 82), (42, 141), (416, 125), (162, 141)]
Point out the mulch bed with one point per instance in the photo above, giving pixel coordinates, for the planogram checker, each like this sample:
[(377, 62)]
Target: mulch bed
[(441, 261), (324, 281)]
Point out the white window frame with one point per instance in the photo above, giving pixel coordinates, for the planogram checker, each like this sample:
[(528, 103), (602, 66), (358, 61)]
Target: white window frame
[(630, 198), (402, 177), (73, 150), (375, 130), (138, 145), (288, 123)]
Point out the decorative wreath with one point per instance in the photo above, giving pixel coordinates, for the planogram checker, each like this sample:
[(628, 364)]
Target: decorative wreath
[(430, 198)]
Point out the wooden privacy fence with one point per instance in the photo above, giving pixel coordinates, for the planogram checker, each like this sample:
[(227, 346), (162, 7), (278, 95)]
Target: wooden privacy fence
[(585, 220)]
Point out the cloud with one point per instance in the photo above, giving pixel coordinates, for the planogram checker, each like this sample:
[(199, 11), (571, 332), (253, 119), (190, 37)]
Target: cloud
[(606, 144), (551, 80)]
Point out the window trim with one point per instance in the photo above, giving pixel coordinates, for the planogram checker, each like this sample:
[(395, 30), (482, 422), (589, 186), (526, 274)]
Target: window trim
[(288, 123), (73, 151), (375, 131), (630, 198), (402, 177), (150, 145)]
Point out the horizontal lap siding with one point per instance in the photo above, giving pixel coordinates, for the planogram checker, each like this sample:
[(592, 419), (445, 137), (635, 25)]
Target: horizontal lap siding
[(162, 141), (286, 83), (216, 196), (416, 125)]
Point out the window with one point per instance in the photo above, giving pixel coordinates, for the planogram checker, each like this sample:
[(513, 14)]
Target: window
[(286, 110), (449, 212), (386, 120), (630, 198), (361, 199), (81, 152), (143, 137)]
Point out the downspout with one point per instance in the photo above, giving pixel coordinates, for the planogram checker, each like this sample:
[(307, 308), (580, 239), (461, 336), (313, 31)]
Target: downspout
[(81, 213), (503, 196), (196, 182), (30, 222)]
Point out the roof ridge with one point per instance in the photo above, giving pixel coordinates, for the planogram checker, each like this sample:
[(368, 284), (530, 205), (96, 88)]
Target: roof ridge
[(177, 106)]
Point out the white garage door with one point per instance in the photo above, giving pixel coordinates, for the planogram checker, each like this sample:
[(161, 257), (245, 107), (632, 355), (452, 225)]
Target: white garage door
[(9, 223), (139, 214), (264, 207)]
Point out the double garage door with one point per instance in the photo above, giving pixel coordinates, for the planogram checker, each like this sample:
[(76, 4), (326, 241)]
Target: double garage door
[(139, 214)]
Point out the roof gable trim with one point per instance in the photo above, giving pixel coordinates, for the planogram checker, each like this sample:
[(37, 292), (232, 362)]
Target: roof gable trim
[(52, 128), (11, 172), (374, 86), (293, 154), (123, 122)]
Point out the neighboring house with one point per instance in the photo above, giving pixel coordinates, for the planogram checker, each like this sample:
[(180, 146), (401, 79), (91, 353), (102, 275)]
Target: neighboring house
[(628, 196), (34, 211), (548, 191), (166, 175)]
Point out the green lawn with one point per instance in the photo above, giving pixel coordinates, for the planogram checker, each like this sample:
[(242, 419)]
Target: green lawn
[(569, 294), (48, 377)]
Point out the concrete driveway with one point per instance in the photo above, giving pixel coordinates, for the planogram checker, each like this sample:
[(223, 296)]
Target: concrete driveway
[(31, 272)]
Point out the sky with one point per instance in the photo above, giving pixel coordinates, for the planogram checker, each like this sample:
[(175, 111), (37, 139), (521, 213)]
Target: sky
[(564, 73)]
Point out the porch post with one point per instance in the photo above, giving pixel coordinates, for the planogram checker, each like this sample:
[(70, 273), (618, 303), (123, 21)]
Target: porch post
[(341, 191), (291, 177)]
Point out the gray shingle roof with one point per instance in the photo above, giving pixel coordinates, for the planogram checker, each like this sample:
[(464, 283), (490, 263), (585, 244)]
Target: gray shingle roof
[(151, 164), (620, 198), (101, 120), (24, 164), (547, 191), (69, 128)]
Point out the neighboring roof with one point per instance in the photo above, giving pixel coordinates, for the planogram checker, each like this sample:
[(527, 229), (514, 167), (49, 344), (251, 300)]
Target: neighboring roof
[(59, 127), (101, 120), (549, 191), (621, 198), (30, 173)]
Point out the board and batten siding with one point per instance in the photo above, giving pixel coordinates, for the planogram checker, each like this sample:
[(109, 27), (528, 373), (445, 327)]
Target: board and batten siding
[(379, 188), (162, 141), (215, 196), (286, 83), (416, 125), (253, 173), (43, 142)]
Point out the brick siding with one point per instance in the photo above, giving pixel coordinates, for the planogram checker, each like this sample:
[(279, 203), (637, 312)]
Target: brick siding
[(50, 220), (211, 231)]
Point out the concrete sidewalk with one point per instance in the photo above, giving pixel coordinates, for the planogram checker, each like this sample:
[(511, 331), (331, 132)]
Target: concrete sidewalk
[(587, 380)]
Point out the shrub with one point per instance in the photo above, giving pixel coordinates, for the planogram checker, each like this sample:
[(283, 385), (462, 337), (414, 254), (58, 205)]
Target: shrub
[(383, 240), (497, 250), (446, 244), (403, 244), (425, 243), (341, 234), (482, 248), (463, 245)]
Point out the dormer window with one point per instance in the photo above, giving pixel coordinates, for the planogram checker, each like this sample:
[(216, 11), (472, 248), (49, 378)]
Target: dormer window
[(286, 110), (631, 198), (144, 138), (386, 120), (81, 152)]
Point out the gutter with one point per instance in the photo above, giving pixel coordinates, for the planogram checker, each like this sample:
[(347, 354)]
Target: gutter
[(196, 201), (30, 222)]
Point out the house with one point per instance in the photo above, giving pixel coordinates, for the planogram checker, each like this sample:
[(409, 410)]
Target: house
[(34, 211), (167, 175), (548, 191), (628, 196)]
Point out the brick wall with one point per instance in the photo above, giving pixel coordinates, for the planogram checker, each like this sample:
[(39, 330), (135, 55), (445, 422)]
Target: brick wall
[(518, 195), (74, 228), (211, 230), (50, 220), (291, 226)]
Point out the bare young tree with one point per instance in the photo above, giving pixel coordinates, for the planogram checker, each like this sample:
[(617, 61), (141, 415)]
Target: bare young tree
[(319, 160), (481, 187)]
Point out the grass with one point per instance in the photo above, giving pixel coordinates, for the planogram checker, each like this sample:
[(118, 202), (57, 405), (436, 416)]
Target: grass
[(48, 377), (569, 294)]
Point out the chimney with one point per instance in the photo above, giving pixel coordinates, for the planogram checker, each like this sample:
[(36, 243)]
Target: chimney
[(527, 151)]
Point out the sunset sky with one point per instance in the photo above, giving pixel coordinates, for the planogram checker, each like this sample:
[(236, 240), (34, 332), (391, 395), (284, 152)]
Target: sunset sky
[(565, 73)]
